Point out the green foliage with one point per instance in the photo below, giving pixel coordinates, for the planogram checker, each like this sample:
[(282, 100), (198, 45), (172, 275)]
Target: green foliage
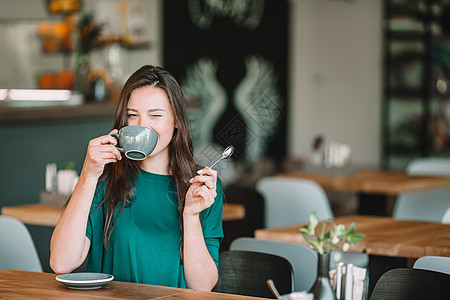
[(69, 165), (325, 242)]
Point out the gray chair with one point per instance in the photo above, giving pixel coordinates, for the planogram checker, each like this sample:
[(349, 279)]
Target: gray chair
[(433, 263), (432, 166), (302, 259), (426, 205), (17, 249), (412, 284), (289, 201), (246, 273)]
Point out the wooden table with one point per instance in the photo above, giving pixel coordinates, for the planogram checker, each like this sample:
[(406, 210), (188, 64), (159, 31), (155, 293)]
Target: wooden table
[(373, 181), (373, 186), (32, 285), (48, 215), (383, 236)]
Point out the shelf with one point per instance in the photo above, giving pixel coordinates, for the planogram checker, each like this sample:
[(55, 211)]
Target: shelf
[(413, 33), (21, 115), (405, 93), (404, 149), (406, 35)]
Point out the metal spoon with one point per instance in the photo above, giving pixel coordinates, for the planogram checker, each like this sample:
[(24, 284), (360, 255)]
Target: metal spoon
[(225, 154), (273, 288)]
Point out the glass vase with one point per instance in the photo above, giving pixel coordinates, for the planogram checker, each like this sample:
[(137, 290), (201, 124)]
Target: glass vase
[(322, 288), (82, 69)]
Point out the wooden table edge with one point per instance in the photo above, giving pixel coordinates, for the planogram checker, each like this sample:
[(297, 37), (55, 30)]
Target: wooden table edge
[(49, 214)]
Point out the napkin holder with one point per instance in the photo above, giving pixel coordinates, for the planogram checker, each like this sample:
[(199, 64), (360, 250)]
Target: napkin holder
[(349, 282)]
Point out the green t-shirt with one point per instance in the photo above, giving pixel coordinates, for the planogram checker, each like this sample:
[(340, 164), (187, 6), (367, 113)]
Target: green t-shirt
[(145, 243)]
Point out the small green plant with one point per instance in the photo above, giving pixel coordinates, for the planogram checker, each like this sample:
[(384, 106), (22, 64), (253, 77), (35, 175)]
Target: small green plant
[(325, 242), (70, 165)]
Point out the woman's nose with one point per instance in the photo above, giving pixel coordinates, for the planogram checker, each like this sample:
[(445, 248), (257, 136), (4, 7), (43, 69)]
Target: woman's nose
[(144, 122)]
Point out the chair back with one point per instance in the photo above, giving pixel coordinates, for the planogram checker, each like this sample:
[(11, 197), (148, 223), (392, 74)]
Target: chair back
[(302, 259), (246, 273), (426, 205), (430, 166), (411, 284), (17, 249), (446, 217), (254, 213), (290, 201), (433, 263)]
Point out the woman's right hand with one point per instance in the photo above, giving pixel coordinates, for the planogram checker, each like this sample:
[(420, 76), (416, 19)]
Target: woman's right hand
[(101, 151)]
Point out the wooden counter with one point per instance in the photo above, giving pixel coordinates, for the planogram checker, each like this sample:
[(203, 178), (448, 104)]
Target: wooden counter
[(48, 215), (22, 115)]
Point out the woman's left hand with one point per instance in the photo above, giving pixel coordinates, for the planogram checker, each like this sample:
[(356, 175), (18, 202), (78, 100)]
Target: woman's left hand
[(202, 192)]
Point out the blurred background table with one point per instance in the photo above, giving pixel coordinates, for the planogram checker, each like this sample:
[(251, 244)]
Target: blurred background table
[(373, 186), (48, 215)]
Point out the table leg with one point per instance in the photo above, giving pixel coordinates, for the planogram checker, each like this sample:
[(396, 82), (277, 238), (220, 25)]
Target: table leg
[(374, 204)]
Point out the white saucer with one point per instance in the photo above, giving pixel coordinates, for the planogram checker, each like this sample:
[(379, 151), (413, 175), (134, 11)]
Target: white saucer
[(84, 280)]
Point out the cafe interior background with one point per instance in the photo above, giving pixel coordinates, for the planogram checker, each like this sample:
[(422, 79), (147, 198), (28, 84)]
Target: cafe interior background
[(282, 81)]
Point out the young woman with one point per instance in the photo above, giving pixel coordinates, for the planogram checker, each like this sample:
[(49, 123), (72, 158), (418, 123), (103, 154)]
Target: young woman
[(156, 221)]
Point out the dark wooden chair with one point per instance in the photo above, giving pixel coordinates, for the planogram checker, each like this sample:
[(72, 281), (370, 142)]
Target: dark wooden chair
[(254, 213), (246, 273), (412, 284)]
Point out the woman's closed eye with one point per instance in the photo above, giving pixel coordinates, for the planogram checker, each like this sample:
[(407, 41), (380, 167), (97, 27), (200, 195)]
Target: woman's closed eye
[(132, 115)]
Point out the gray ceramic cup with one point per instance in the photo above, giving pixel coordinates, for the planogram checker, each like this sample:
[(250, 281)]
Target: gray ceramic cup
[(136, 142)]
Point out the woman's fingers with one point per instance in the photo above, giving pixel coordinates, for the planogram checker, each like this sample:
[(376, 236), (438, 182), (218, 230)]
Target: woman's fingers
[(204, 196), (202, 192), (108, 139), (105, 139), (107, 149), (206, 176), (207, 172)]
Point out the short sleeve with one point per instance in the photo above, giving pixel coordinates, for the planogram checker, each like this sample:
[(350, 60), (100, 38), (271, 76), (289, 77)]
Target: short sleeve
[(211, 219)]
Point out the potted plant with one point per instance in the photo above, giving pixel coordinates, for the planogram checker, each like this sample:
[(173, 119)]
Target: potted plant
[(337, 238)]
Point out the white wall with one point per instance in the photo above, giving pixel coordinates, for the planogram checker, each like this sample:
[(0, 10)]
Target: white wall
[(335, 87)]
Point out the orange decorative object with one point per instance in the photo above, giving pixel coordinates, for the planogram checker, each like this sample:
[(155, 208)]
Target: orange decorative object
[(57, 36), (62, 80), (63, 6), (46, 81)]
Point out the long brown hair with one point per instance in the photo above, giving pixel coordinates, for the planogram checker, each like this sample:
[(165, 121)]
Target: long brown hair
[(120, 177)]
